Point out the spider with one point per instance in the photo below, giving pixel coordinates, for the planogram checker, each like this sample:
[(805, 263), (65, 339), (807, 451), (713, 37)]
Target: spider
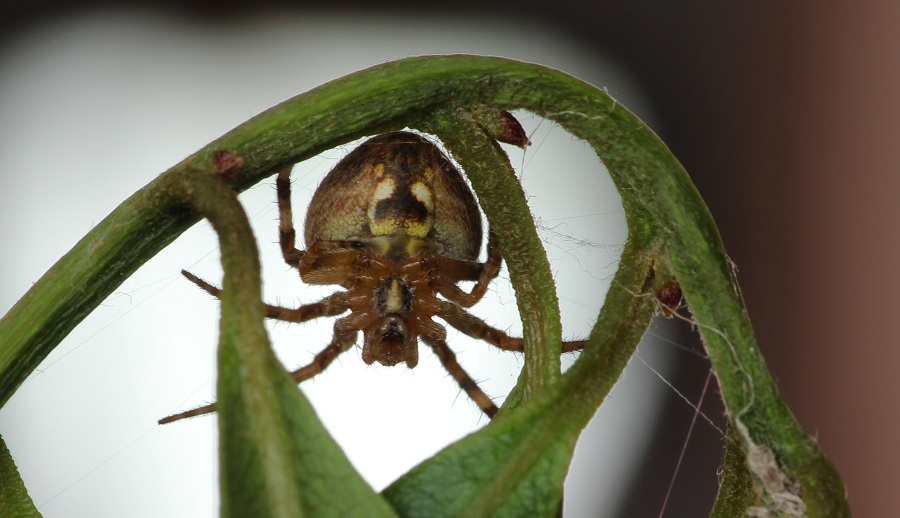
[(395, 224)]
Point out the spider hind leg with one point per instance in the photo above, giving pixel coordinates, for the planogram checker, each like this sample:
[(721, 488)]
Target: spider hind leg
[(435, 337)]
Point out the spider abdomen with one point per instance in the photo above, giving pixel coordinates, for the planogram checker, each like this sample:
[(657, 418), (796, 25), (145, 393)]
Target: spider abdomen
[(398, 187)]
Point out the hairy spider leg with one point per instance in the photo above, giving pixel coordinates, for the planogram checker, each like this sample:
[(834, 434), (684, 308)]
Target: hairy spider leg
[(477, 328), (435, 336), (331, 305), (344, 338), (450, 271), (287, 234)]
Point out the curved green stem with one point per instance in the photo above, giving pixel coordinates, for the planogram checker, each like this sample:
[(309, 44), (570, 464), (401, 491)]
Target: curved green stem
[(501, 197)]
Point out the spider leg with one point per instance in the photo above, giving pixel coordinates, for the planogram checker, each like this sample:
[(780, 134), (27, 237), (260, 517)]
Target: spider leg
[(344, 338), (327, 355), (319, 363), (332, 305), (203, 410), (286, 233), (475, 327), (451, 271), (329, 252), (435, 336), (333, 267), (205, 286), (339, 261)]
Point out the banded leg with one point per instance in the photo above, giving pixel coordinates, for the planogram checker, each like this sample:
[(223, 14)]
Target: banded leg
[(452, 271), (344, 338), (203, 410), (435, 337), (286, 234), (330, 306), (477, 328), (324, 358), (319, 363)]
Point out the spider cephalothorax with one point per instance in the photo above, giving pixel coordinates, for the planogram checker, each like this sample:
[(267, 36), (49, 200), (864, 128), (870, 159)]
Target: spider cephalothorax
[(396, 225)]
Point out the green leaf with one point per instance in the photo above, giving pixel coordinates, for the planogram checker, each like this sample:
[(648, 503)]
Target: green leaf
[(736, 489)]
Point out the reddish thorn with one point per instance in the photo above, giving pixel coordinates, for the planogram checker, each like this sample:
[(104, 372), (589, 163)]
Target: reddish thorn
[(669, 297), (511, 131), (227, 164)]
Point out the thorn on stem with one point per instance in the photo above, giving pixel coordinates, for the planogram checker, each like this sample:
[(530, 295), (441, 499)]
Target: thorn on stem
[(227, 164), (511, 131), (669, 297)]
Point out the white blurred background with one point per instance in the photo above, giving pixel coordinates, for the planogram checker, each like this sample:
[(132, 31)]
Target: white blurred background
[(94, 106)]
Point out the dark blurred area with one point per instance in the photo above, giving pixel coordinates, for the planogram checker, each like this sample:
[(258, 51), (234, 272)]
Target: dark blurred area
[(788, 120)]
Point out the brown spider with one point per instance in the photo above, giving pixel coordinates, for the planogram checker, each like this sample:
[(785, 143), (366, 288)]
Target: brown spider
[(395, 224)]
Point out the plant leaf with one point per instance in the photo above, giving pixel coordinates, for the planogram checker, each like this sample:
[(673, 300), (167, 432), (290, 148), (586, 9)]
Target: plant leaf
[(736, 489)]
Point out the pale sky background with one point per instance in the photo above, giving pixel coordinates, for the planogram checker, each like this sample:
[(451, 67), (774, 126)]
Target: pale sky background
[(93, 107)]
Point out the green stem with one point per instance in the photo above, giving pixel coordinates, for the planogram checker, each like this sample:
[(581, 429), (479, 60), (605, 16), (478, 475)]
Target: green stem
[(501, 197)]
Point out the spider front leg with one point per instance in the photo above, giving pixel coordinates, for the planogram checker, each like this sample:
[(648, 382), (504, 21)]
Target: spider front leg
[(451, 271), (330, 306), (286, 234), (344, 337)]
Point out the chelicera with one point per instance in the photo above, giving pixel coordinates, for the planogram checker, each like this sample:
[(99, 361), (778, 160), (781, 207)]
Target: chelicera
[(395, 224)]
